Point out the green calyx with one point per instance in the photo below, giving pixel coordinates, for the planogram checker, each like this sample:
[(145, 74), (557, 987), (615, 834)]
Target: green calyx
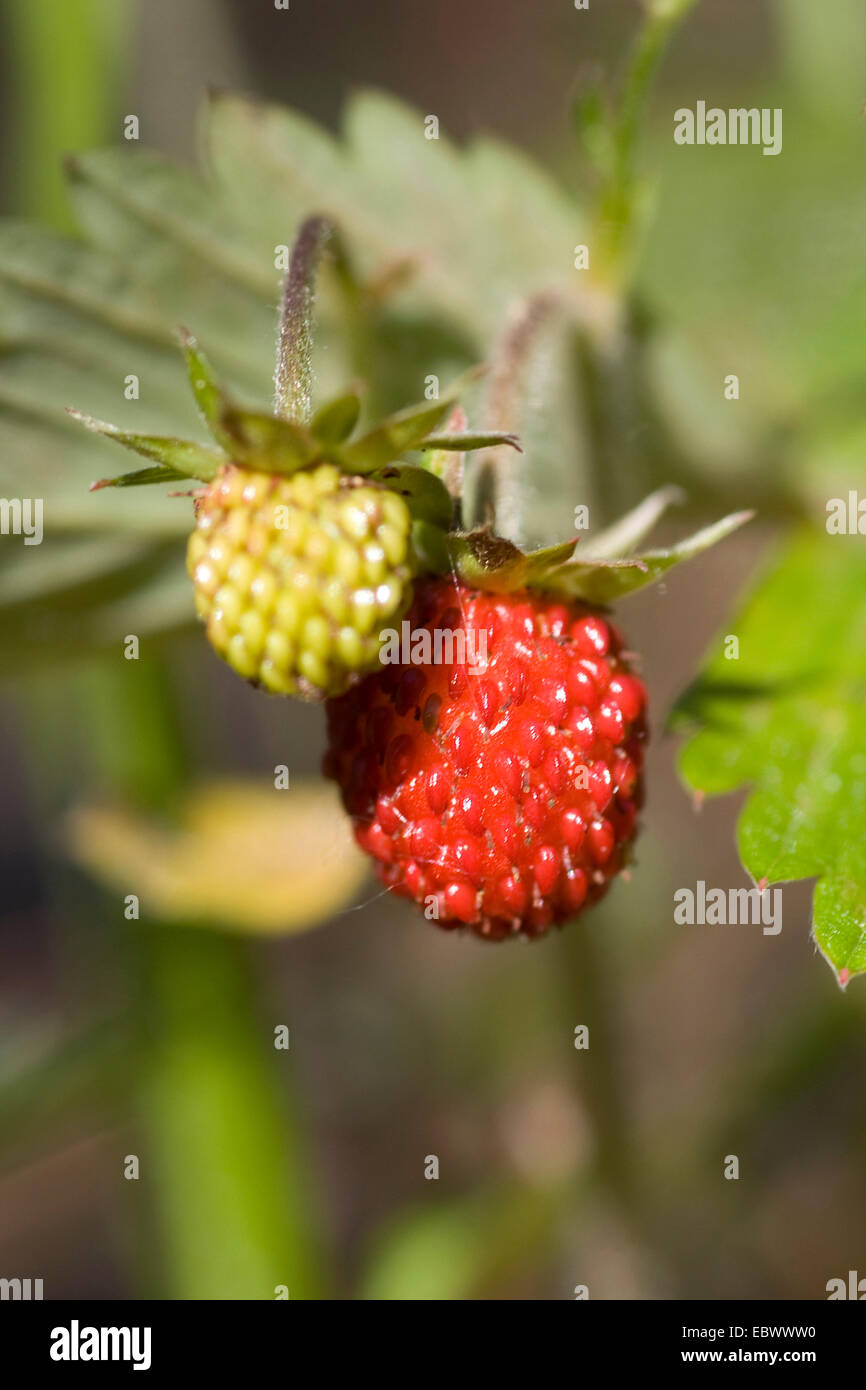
[(605, 569), (296, 437), (265, 443)]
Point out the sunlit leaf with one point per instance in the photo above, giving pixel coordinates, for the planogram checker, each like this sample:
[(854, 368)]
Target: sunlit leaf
[(244, 857), (785, 719)]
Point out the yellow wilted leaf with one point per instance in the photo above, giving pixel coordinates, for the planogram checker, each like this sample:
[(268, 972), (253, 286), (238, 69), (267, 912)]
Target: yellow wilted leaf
[(243, 857)]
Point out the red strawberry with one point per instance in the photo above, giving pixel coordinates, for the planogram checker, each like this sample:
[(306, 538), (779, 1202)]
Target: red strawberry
[(502, 795)]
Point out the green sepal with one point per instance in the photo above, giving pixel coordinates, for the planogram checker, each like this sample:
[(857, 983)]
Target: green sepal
[(426, 496), (262, 442), (406, 430), (430, 543), (604, 580), (209, 395), (462, 443), (623, 535), (395, 435), (266, 443), (334, 421), (272, 444), (142, 477), (484, 560), (183, 457), (269, 443)]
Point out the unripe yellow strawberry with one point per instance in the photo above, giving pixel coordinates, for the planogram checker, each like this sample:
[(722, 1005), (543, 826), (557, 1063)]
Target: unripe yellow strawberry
[(296, 576)]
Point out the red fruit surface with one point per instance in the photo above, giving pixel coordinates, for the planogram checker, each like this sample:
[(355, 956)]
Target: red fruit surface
[(502, 796)]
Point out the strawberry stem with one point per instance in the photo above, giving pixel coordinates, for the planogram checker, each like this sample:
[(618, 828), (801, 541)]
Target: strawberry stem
[(293, 376), (495, 469)]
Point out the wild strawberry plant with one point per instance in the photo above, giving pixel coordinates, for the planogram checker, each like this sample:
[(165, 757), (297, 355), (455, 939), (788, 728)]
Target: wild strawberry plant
[(410, 297)]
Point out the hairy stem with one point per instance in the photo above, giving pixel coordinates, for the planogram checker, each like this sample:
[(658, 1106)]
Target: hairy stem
[(495, 467), (293, 376)]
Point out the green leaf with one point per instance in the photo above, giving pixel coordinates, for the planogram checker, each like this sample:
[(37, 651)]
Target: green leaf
[(173, 227), (88, 593), (522, 228), (786, 720), (38, 267), (163, 244), (138, 199), (334, 421), (181, 458), (257, 148), (534, 391)]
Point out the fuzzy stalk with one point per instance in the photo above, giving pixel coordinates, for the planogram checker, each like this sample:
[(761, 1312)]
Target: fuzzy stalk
[(293, 376), (497, 484)]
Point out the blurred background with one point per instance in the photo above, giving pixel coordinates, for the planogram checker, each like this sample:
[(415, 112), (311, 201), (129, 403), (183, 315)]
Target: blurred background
[(305, 1167)]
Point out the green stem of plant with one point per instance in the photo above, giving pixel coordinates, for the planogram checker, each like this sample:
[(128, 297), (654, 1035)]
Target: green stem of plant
[(588, 989), (222, 1162), (66, 65), (618, 211), (227, 1171)]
